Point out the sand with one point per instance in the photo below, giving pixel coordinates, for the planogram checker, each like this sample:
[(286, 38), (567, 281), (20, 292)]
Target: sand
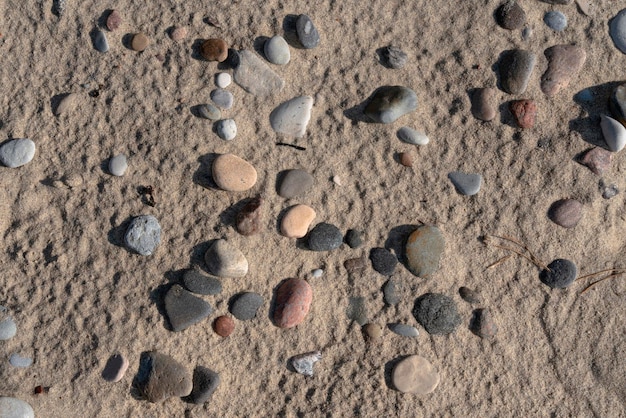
[(79, 296)]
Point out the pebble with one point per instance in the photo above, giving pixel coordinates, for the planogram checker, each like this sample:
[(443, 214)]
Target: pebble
[(483, 104), (317, 273), (254, 76), (143, 234), (178, 33), (406, 159), (246, 305), (205, 383), (510, 15), (115, 368), (610, 191), (412, 136), (415, 374), (617, 29), (524, 112), (617, 103), (295, 183), (437, 313), (482, 324), (564, 62), (249, 218), (307, 33), (118, 165), (466, 184), (394, 57), (566, 212), (337, 180), (114, 20), (8, 328), (201, 284), (388, 103), (277, 51), (225, 260), (614, 133), (597, 159), (325, 237), (293, 301), (586, 7), (224, 326), (391, 294), (383, 261), (160, 377), (404, 330), (562, 273), (222, 98), (292, 117), (214, 50), (296, 221), (67, 104), (226, 129), (100, 41), (357, 311), (303, 363), (469, 295), (209, 111), (354, 238), (555, 20), (373, 331), (17, 152), (184, 309), (223, 80), (140, 42), (15, 408), (18, 361), (355, 265), (516, 67), (233, 174), (423, 250)]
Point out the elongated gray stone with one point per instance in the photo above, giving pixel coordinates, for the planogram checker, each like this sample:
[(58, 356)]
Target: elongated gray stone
[(17, 152), (412, 136), (404, 330), (184, 309), (143, 234), (516, 67), (17, 360), (15, 408), (209, 111), (100, 41), (277, 50), (388, 103), (466, 184), (255, 76), (292, 117), (423, 250)]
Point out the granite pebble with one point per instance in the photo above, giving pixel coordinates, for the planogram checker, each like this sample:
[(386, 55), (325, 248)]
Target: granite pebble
[(566, 212), (561, 274), (277, 51), (114, 20), (17, 152), (205, 383), (414, 374), (295, 183), (325, 237), (160, 377), (307, 33), (484, 104), (466, 184), (412, 136), (143, 234), (423, 250), (303, 363), (224, 326), (254, 76), (118, 165), (115, 368), (404, 330), (608, 191), (516, 67), (483, 324), (383, 261), (437, 313), (226, 129), (246, 306), (293, 301), (388, 103), (564, 62), (225, 260), (184, 309), (296, 221), (525, 112), (201, 284), (222, 98), (292, 117), (232, 173)]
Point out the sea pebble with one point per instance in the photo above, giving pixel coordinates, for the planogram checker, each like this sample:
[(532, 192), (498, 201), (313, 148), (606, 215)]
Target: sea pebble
[(373, 331), (225, 260), (222, 98), (354, 238), (296, 221), (388, 103), (564, 62), (566, 212), (617, 103), (357, 311), (483, 104), (143, 234), (355, 265), (423, 250), (293, 301), (482, 324), (160, 377), (223, 80), (560, 273), (118, 165), (184, 309), (214, 50), (437, 313), (617, 30), (139, 42), (404, 330), (614, 133), (201, 284), (414, 374), (292, 117), (295, 183), (246, 305), (524, 112), (596, 159), (383, 261), (226, 129), (178, 33), (325, 237), (254, 76), (67, 104), (8, 328), (317, 273), (516, 67), (100, 41), (469, 295), (307, 33), (510, 15), (233, 174), (249, 218), (115, 368), (18, 361), (406, 159), (394, 57), (277, 51), (555, 20), (391, 293), (205, 382), (609, 191), (224, 326), (15, 408), (209, 111), (412, 136), (466, 184), (303, 363), (114, 20), (17, 152)]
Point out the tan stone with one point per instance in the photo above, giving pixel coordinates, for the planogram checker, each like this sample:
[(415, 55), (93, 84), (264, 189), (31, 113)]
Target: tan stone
[(140, 42), (373, 331), (179, 33), (67, 104), (233, 174), (296, 222), (415, 374), (406, 159)]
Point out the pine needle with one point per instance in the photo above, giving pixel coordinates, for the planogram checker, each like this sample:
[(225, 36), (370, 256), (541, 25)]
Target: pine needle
[(500, 261), (601, 280)]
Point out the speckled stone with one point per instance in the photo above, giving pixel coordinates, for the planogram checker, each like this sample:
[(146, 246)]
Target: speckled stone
[(160, 377), (354, 238), (423, 250), (483, 324), (325, 237), (143, 234), (307, 33), (561, 274), (555, 20), (564, 62), (226, 129), (597, 159), (566, 212), (415, 374), (224, 326), (383, 261), (510, 15), (437, 313), (246, 305), (293, 301), (524, 112)]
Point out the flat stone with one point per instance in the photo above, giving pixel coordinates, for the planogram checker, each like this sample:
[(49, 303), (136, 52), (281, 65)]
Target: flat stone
[(469, 295), (15, 408), (115, 368), (617, 103), (566, 212), (184, 309), (388, 103), (214, 50), (296, 221), (516, 67), (355, 265), (68, 103), (209, 111), (277, 51), (412, 136), (325, 237), (18, 361), (394, 57), (225, 260), (303, 363), (292, 117), (100, 42), (246, 305), (423, 250), (617, 30), (404, 330), (160, 377), (139, 42), (233, 174), (307, 33), (564, 62), (205, 383), (357, 311), (373, 331), (561, 274), (114, 20), (226, 129), (224, 326), (510, 15), (201, 284), (437, 313), (406, 159), (8, 328), (295, 183), (555, 20), (466, 184), (254, 76), (596, 159), (223, 80), (293, 301), (222, 98), (484, 104), (524, 112), (614, 133), (391, 294), (178, 33), (482, 324), (415, 374), (143, 234), (17, 152), (354, 238), (118, 165), (249, 219), (383, 261)]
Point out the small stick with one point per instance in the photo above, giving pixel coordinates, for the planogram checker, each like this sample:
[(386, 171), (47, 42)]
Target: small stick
[(600, 272), (284, 144), (601, 280), (513, 240), (500, 261), (532, 259)]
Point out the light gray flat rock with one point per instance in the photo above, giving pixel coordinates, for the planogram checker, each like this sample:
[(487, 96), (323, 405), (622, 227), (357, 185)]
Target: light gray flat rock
[(466, 184), (255, 76), (15, 408), (143, 234), (412, 136), (17, 152)]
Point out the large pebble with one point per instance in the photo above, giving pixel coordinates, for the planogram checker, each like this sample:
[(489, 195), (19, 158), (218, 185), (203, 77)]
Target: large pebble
[(566, 212), (17, 152), (277, 51), (388, 103), (100, 41), (292, 117), (143, 234), (115, 368), (383, 261), (295, 183), (184, 309), (307, 33), (617, 30), (524, 112), (564, 62), (293, 300), (225, 260), (466, 184), (249, 219), (233, 174), (303, 363), (423, 250), (160, 377), (415, 374), (246, 305), (222, 98), (561, 273), (437, 313), (617, 103), (614, 133), (214, 49), (391, 292), (118, 165), (597, 159), (510, 15), (555, 20), (201, 284), (139, 42), (15, 408), (404, 330), (255, 76), (226, 129), (296, 221), (325, 237), (483, 324), (412, 136), (205, 382), (516, 67), (484, 104), (394, 57)]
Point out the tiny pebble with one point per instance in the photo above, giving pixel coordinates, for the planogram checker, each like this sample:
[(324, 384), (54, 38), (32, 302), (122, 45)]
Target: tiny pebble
[(115, 368), (226, 129), (222, 98), (391, 292), (469, 295), (609, 191), (510, 15), (406, 159), (8, 329), (482, 324), (412, 136), (143, 234), (394, 57), (566, 212), (337, 180), (597, 159), (223, 80), (100, 42), (114, 20), (404, 330)]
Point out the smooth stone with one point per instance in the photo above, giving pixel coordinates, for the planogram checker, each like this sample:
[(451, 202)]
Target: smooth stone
[(223, 80), (224, 326), (562, 273), (596, 159), (249, 218), (388, 103), (277, 51), (566, 212), (209, 111), (100, 41), (373, 331), (383, 261), (160, 377), (17, 152), (115, 368), (226, 129), (516, 67), (412, 136), (114, 20), (296, 221), (307, 33), (205, 383), (415, 374), (233, 174), (510, 15), (391, 294), (483, 104), (357, 311), (292, 117), (225, 260), (139, 42), (564, 62), (469, 295), (354, 238), (466, 184), (423, 250), (317, 273), (201, 284), (118, 165), (404, 330), (15, 408), (586, 7), (524, 112), (614, 133), (617, 30), (254, 76), (178, 33), (143, 234), (184, 309), (246, 305), (21, 362), (482, 324), (303, 363), (394, 57), (222, 98), (437, 313), (617, 103), (325, 237), (555, 20), (295, 183), (214, 50), (8, 328), (293, 301), (67, 104)]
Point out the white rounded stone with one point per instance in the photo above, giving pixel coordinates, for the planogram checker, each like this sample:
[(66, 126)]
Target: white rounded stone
[(223, 80), (15, 408), (17, 152), (118, 165), (614, 133), (226, 129), (277, 50)]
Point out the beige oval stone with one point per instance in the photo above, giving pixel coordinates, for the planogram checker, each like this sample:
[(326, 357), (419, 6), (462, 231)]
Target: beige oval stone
[(67, 104), (233, 174), (415, 374), (296, 222), (140, 42)]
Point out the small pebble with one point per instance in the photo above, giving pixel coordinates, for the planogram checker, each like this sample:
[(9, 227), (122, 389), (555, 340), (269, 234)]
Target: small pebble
[(100, 41), (292, 117), (337, 180), (610, 191), (115, 368), (214, 50), (296, 221), (617, 103), (114, 20), (561, 273), (17, 152), (209, 111), (373, 331), (317, 273), (277, 51), (184, 309), (325, 237), (178, 33), (303, 363), (355, 265), (596, 159), (391, 294), (140, 42), (415, 374), (564, 62), (437, 313), (394, 57), (516, 67), (222, 98), (15, 408), (357, 311), (383, 261), (68, 103), (354, 238), (423, 250), (225, 260), (469, 295), (482, 324), (249, 218), (295, 183), (388, 103), (617, 30), (226, 129), (293, 301), (406, 159), (566, 212), (614, 133), (223, 80), (233, 174), (466, 184), (510, 15), (143, 234), (118, 165), (205, 382), (201, 284), (246, 305), (412, 136), (308, 35), (484, 104), (555, 20), (224, 326), (404, 330), (524, 112), (18, 361), (160, 377)]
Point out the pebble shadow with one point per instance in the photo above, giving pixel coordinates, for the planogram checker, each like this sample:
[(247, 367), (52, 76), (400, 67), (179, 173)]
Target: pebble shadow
[(56, 100), (290, 33), (195, 50), (202, 175), (506, 117), (157, 296), (127, 40), (396, 240), (102, 20), (141, 378), (588, 124), (355, 113), (229, 216), (259, 45), (382, 60), (496, 67), (92, 36), (272, 309), (389, 369), (116, 234)]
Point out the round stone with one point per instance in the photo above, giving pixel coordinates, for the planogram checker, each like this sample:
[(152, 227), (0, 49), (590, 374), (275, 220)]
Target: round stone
[(295, 183), (373, 331), (209, 111), (225, 260), (561, 273), (233, 174), (222, 98), (566, 212), (224, 326), (226, 129), (303, 363), (15, 408), (423, 250), (555, 20), (437, 313), (140, 42), (510, 15), (406, 159), (293, 301), (412, 136), (383, 261), (118, 165), (388, 103), (8, 328), (516, 67), (469, 295), (246, 305), (296, 221), (307, 33), (415, 374), (391, 293), (178, 33), (114, 20), (354, 238), (214, 50), (17, 152), (223, 80), (524, 112), (325, 237), (617, 29), (277, 50), (143, 234)]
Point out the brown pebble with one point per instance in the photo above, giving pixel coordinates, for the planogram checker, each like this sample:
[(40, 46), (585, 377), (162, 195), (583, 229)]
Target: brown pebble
[(597, 159), (483, 104), (406, 159), (224, 326), (179, 33), (114, 20), (140, 42), (566, 212), (293, 301), (355, 265), (214, 50), (373, 331), (524, 112), (482, 324), (249, 217)]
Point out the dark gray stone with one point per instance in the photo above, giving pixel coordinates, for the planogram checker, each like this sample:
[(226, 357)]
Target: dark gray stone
[(201, 284), (205, 382), (357, 311), (246, 305), (295, 183), (510, 15), (394, 57), (555, 20), (423, 250), (325, 237), (160, 377), (404, 330), (388, 103), (561, 273), (391, 292), (437, 313), (354, 238), (516, 67), (307, 33), (143, 234), (469, 295), (482, 324), (184, 309), (383, 261)]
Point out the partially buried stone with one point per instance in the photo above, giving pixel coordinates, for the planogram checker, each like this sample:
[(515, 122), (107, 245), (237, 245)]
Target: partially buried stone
[(617, 103), (303, 363), (143, 234), (423, 250), (614, 133), (355, 265), (437, 313), (225, 260), (214, 50), (560, 273), (555, 20), (226, 129), (608, 191), (233, 174), (277, 51), (412, 136), (483, 104), (184, 309), (15, 408), (524, 112), (295, 183), (566, 212), (325, 237), (67, 104), (201, 284), (357, 310), (414, 374), (617, 30), (391, 294), (205, 382), (564, 62), (404, 330), (510, 15), (18, 361), (466, 184), (394, 57), (100, 41), (469, 295), (596, 159), (383, 261), (296, 221), (292, 117), (114, 20), (248, 221), (224, 326), (293, 301), (17, 152), (246, 305), (118, 165), (307, 33), (373, 331), (209, 111), (8, 329), (388, 103), (482, 324), (178, 33), (255, 76), (139, 42), (516, 67), (354, 238), (222, 98), (115, 368), (160, 377)]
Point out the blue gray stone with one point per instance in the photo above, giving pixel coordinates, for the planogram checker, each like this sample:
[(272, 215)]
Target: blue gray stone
[(555, 20), (17, 152), (466, 184), (404, 330), (307, 33), (561, 273), (184, 309), (209, 111), (617, 30), (201, 284), (246, 305), (277, 51), (391, 292), (15, 408), (143, 234), (205, 382), (423, 250), (118, 165), (18, 361), (100, 41), (437, 313), (388, 103), (325, 237), (222, 98)]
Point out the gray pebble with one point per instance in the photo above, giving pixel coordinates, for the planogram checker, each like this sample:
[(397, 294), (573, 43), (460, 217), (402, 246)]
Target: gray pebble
[(18, 361), (205, 382), (516, 67), (412, 136), (354, 238), (357, 311), (555, 20), (404, 330), (17, 152), (383, 261), (423, 250), (391, 294), (437, 313), (246, 305), (15, 408), (482, 324), (226, 129), (8, 328), (201, 284), (295, 183), (184, 309), (394, 57), (100, 41), (277, 51), (209, 111), (325, 237), (561, 273), (118, 165), (222, 98), (469, 295), (143, 234), (466, 184), (308, 35), (160, 377), (256, 77), (388, 103)]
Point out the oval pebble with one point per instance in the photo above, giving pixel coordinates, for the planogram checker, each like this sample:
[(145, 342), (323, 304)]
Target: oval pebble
[(423, 250), (614, 133), (373, 331), (469, 295), (249, 218), (555, 20), (317, 273), (222, 98), (226, 129), (100, 41), (415, 374), (483, 104), (209, 111), (617, 30), (15, 408), (354, 238), (225, 260), (404, 330), (115, 368), (233, 174), (412, 136), (566, 212), (293, 301), (292, 117), (143, 234), (114, 20), (214, 50), (561, 273), (307, 33), (296, 221), (246, 305), (118, 165), (277, 51), (67, 104), (17, 152), (224, 326), (516, 67), (391, 292), (510, 15), (178, 33), (223, 80), (18, 361), (325, 237), (139, 42)]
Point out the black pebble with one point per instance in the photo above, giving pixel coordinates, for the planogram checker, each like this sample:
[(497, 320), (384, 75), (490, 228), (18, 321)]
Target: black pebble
[(354, 238), (437, 313), (325, 237), (246, 306), (562, 273), (383, 261), (469, 296), (205, 382)]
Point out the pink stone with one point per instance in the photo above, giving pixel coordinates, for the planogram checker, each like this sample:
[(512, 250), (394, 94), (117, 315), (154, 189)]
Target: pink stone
[(293, 300), (598, 160), (114, 20), (525, 112)]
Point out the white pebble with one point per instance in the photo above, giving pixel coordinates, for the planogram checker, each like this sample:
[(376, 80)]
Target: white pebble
[(118, 165), (223, 80), (226, 129), (317, 273), (337, 180)]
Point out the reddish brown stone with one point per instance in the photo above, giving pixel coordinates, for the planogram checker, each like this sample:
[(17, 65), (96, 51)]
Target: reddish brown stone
[(214, 50), (566, 212), (524, 112), (597, 160), (293, 300), (224, 326), (406, 159), (114, 20), (249, 218)]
